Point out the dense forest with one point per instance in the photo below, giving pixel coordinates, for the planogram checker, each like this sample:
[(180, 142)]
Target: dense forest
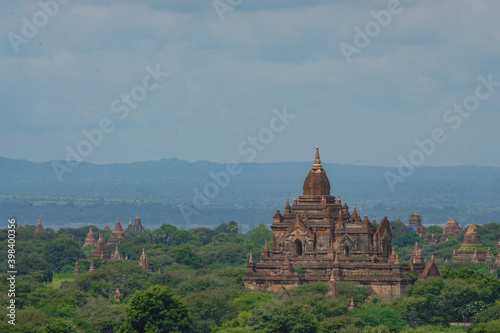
[(195, 286)]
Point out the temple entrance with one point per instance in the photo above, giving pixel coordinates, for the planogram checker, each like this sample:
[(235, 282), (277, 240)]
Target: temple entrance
[(298, 247), (346, 251)]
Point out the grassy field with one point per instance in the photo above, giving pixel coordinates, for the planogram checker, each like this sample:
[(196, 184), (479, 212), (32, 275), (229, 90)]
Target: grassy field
[(59, 278)]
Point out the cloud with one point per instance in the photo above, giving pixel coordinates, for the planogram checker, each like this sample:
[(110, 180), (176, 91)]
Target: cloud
[(226, 77)]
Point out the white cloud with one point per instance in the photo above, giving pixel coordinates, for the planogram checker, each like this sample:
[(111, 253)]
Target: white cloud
[(226, 77)]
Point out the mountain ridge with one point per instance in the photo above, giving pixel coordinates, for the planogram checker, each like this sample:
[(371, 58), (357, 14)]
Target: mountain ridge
[(468, 193)]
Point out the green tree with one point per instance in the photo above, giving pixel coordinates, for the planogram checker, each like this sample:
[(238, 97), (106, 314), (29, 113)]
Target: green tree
[(61, 252), (211, 307), (232, 227), (222, 253), (156, 310), (491, 313), (489, 327), (294, 318), (223, 227), (435, 230), (122, 274), (185, 255), (59, 326), (259, 235), (381, 314)]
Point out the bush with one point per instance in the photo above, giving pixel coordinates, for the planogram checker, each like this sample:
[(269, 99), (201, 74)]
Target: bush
[(186, 256), (156, 310), (491, 313)]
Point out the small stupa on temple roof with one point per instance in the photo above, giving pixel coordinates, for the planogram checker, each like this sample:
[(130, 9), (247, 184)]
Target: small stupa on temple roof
[(39, 227), (26, 225), (90, 240), (118, 235)]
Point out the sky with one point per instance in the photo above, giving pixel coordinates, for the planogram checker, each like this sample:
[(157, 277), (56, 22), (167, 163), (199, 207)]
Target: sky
[(370, 82)]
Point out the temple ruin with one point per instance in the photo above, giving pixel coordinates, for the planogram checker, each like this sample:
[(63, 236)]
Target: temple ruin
[(318, 239)]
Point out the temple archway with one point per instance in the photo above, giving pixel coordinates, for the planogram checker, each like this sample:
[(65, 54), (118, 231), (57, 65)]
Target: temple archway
[(346, 251), (298, 247)]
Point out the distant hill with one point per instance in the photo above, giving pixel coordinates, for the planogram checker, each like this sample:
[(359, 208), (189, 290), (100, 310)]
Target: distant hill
[(99, 194)]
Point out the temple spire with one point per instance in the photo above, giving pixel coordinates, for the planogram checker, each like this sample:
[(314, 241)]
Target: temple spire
[(39, 227), (265, 252), (90, 240), (77, 270), (317, 160), (351, 305), (118, 295), (415, 251), (144, 261)]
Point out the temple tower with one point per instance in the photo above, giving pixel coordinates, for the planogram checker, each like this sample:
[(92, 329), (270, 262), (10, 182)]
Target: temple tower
[(39, 227), (90, 240), (99, 250), (144, 262), (118, 235)]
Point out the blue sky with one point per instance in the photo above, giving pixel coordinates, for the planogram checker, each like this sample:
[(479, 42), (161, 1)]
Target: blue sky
[(231, 63)]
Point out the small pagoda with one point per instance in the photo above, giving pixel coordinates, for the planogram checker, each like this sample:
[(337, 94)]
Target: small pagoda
[(451, 229), (116, 255), (90, 240), (99, 249), (118, 235), (39, 227), (471, 249), (144, 261), (137, 226)]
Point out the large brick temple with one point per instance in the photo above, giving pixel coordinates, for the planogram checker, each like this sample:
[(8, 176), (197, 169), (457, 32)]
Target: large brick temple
[(318, 239)]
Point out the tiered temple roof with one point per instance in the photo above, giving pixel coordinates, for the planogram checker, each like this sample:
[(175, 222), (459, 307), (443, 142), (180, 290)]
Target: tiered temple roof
[(118, 235), (321, 238), (90, 240)]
